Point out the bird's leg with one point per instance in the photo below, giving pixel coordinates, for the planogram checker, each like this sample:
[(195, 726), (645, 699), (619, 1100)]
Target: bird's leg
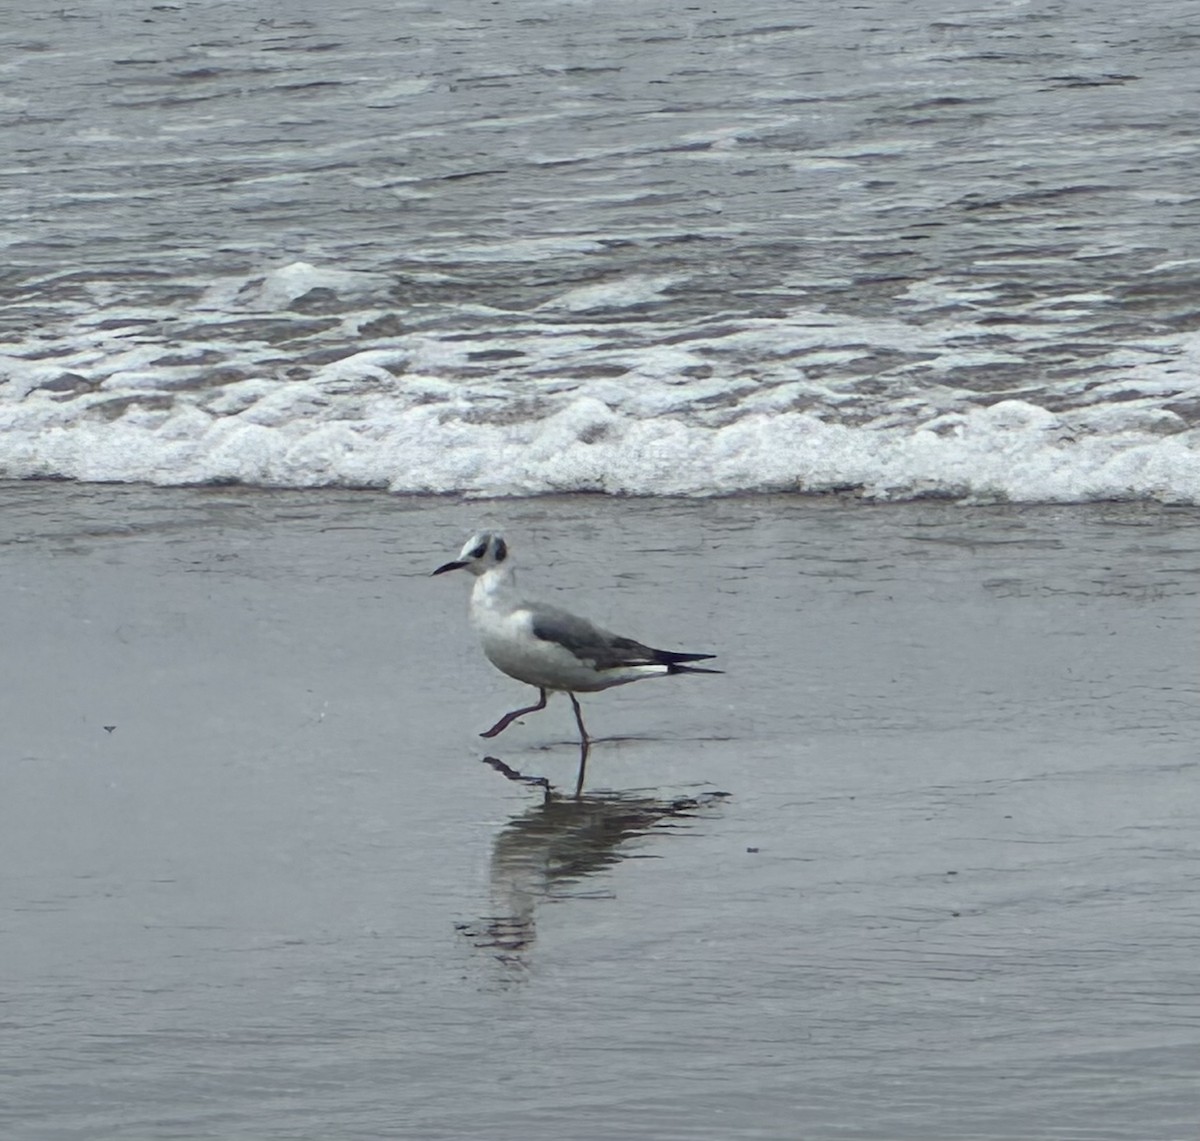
[(509, 718), (584, 744)]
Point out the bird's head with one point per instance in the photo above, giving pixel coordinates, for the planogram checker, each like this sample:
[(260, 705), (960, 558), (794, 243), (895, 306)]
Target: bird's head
[(481, 552)]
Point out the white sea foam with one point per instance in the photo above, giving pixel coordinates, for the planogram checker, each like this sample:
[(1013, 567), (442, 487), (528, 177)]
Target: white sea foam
[(726, 405), (284, 285), (609, 295), (300, 435)]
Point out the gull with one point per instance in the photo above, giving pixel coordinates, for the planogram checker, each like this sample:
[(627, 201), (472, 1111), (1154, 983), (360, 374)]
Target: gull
[(550, 648)]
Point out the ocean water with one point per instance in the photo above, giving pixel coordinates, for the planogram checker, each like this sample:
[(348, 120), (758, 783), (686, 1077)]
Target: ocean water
[(909, 249)]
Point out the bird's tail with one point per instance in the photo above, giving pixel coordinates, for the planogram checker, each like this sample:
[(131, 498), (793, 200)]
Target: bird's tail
[(675, 662)]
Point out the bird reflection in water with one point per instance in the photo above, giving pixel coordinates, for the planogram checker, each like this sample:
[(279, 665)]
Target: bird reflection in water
[(546, 853)]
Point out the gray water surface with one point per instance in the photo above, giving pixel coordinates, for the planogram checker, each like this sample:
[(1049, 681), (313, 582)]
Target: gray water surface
[(949, 893), (906, 208)]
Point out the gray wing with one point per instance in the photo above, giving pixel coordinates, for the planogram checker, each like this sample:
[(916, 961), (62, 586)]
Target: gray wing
[(586, 640)]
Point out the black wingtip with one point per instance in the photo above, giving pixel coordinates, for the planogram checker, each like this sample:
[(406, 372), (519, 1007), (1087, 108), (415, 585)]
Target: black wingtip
[(676, 668), (670, 657)]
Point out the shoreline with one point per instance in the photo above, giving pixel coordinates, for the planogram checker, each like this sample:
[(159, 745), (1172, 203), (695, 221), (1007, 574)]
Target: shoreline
[(848, 497)]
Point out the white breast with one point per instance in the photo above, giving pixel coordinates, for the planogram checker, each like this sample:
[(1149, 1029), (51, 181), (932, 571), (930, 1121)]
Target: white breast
[(511, 646), (506, 632)]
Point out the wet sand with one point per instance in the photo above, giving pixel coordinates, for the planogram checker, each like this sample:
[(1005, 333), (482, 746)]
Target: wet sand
[(919, 865)]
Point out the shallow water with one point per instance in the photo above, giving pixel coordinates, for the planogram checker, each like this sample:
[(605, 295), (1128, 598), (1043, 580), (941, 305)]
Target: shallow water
[(539, 248), (949, 892)]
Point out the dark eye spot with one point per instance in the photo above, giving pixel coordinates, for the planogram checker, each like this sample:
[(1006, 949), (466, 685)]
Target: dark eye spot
[(501, 550), (479, 551)]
